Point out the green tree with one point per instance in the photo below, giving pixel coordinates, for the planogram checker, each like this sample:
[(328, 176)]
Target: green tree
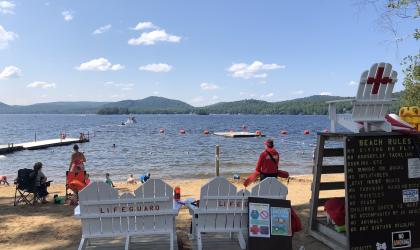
[(411, 94)]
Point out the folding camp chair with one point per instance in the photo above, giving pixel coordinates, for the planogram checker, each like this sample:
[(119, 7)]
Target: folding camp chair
[(25, 187)]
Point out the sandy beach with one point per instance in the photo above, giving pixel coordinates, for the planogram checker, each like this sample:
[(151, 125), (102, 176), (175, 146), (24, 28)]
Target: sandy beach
[(51, 226)]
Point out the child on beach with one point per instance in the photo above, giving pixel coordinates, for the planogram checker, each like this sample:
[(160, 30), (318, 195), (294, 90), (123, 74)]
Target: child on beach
[(3, 180), (108, 180), (131, 180)]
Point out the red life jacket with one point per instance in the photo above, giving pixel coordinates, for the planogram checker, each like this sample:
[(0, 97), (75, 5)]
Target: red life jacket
[(265, 164)]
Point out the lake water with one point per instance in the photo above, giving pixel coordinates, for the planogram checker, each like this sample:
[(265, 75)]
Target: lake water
[(140, 148)]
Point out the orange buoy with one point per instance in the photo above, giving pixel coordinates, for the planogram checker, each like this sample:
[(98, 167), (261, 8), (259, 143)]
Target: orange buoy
[(206, 132), (306, 132), (161, 130), (283, 132), (258, 132), (182, 131)]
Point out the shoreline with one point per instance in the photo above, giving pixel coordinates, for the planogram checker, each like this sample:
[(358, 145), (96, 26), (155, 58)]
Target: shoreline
[(299, 178)]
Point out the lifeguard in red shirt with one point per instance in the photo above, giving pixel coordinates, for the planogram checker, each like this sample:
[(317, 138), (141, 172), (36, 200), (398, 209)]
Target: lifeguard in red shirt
[(267, 165)]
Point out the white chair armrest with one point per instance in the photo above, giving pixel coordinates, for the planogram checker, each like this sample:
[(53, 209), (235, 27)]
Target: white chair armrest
[(77, 211), (191, 208), (338, 101)]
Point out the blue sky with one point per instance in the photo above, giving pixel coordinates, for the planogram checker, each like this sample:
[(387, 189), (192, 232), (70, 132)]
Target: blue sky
[(200, 52)]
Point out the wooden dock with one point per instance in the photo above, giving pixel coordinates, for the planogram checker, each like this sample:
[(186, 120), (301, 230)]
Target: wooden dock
[(11, 147), (238, 134)]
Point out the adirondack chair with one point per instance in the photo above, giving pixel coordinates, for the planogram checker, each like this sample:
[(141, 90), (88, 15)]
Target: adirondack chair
[(150, 211), (372, 102), (223, 209)]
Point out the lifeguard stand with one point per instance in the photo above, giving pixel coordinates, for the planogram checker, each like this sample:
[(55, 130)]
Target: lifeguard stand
[(329, 145), (369, 116)]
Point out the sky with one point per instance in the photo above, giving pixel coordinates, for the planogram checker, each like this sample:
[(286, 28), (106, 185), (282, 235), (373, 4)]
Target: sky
[(200, 52)]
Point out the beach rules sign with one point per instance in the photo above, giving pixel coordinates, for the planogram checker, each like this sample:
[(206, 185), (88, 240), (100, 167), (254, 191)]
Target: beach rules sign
[(269, 224), (382, 189)]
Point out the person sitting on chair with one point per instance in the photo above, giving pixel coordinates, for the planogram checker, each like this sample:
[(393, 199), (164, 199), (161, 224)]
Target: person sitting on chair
[(267, 165), (40, 182), (77, 160)]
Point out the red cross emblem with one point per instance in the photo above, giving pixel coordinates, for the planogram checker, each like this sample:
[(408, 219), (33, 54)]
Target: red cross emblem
[(378, 80)]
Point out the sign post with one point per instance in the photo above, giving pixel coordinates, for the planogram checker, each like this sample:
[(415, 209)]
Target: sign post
[(217, 160)]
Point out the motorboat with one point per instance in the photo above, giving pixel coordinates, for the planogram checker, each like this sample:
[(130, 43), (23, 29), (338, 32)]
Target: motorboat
[(131, 120)]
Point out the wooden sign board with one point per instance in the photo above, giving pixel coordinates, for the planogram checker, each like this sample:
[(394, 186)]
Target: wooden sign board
[(269, 224), (382, 190)]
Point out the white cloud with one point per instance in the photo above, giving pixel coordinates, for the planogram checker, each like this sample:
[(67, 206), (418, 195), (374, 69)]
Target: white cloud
[(254, 70), (150, 38), (298, 92), (325, 93), (42, 85), (215, 97), (99, 64), (10, 72), (156, 92), (208, 86), (351, 83), (156, 67), (6, 37), (7, 7), (102, 29), (67, 15), (267, 96), (144, 25)]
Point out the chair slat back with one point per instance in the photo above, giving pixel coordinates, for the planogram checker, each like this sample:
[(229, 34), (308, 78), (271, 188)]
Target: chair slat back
[(98, 191), (241, 219), (220, 199), (270, 188), (149, 210), (158, 196), (128, 223), (376, 84)]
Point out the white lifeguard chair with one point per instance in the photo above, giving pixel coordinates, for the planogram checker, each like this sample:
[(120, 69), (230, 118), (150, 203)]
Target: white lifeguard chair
[(224, 209), (105, 214), (372, 102)]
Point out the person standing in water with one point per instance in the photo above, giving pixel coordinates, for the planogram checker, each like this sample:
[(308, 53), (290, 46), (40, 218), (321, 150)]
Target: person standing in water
[(77, 160)]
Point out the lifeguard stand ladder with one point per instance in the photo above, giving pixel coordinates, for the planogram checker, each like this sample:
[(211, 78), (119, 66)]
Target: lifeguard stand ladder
[(318, 227)]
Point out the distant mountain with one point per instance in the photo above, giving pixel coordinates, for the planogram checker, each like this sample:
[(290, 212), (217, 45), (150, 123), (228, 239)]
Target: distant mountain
[(151, 105), (308, 106), (249, 106), (158, 105), (53, 108)]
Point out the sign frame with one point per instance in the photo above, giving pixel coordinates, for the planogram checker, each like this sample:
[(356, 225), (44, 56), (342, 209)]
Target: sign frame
[(273, 241)]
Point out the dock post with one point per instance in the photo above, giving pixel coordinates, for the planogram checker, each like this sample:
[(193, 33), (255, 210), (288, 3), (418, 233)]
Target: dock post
[(217, 158), (35, 135)]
